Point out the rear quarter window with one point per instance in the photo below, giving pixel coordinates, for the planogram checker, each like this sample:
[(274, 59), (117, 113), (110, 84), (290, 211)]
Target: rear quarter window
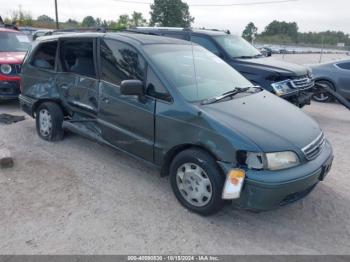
[(77, 56), (45, 55)]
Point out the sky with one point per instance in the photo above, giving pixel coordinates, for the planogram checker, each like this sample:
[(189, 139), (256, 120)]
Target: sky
[(311, 15)]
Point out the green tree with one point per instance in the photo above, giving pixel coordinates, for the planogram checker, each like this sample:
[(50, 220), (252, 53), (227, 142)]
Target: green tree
[(282, 28), (98, 21), (250, 32), (72, 22), (88, 21), (173, 13), (44, 19), (137, 19), (21, 18), (123, 20)]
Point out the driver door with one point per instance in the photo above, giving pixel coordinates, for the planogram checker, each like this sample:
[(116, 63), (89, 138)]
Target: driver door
[(125, 121)]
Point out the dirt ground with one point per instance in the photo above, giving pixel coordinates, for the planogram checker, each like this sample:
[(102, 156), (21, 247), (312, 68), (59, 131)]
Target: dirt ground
[(78, 197)]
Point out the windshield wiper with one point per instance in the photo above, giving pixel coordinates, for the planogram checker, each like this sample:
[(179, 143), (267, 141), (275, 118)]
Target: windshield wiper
[(231, 94)]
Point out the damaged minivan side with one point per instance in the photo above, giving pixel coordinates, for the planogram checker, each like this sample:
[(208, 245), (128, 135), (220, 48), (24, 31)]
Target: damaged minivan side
[(181, 108)]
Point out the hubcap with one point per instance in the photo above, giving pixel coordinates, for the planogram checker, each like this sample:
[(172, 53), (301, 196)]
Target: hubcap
[(194, 184), (321, 97), (45, 122)]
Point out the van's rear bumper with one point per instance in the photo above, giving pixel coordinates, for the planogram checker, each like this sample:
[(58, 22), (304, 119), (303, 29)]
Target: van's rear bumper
[(27, 104), (274, 189)]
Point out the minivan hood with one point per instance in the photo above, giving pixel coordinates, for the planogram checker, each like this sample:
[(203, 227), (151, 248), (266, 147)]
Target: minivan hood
[(280, 67), (272, 123), (12, 57)]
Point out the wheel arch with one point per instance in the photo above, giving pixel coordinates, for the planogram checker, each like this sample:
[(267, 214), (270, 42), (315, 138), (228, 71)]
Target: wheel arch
[(327, 80), (173, 152), (45, 100)]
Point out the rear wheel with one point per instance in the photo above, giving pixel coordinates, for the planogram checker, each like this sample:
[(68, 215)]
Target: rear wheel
[(197, 181), (49, 120), (323, 97)]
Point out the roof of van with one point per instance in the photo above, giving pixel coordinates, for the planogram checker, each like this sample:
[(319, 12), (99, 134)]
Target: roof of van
[(137, 38), (165, 30)]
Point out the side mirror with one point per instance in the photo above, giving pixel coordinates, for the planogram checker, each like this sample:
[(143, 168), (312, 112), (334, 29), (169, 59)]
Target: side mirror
[(132, 88)]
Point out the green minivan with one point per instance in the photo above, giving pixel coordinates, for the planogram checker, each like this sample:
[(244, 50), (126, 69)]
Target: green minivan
[(179, 107)]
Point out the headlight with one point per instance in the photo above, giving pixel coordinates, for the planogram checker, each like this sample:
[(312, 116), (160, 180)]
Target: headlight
[(269, 161), (281, 160), (5, 69), (281, 87)]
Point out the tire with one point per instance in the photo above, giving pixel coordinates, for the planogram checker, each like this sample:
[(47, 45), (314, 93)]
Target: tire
[(324, 97), (49, 120), (186, 174)]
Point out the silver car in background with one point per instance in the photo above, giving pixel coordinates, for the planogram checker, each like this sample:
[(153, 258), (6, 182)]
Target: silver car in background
[(335, 75)]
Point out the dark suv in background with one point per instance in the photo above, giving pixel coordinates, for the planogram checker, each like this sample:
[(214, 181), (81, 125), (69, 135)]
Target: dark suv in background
[(290, 81)]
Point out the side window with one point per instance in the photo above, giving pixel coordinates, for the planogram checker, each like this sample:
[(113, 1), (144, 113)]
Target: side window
[(206, 43), (45, 56), (344, 65), (155, 88), (120, 62), (77, 56)]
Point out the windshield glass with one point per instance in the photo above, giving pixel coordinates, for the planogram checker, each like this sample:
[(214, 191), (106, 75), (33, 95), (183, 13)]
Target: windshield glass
[(236, 46), (196, 72), (13, 42)]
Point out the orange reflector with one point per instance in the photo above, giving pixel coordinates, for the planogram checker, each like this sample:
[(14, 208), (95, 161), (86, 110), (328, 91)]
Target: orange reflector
[(233, 184), (236, 175)]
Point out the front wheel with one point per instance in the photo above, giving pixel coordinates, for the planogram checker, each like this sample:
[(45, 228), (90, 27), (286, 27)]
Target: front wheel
[(197, 182), (49, 120), (323, 96)]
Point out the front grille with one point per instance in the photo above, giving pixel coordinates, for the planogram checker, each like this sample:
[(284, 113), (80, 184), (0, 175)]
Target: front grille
[(312, 150), (302, 83), (16, 69)]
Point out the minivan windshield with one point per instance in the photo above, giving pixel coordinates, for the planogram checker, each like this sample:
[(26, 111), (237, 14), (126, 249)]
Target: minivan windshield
[(197, 73), (14, 42), (237, 47)]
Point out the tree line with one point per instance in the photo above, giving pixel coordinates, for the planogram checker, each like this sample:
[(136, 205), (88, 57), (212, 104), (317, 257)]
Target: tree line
[(175, 13), (163, 13), (280, 32)]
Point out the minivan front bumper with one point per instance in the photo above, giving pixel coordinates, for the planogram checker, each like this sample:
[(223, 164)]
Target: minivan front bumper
[(9, 90), (266, 190)]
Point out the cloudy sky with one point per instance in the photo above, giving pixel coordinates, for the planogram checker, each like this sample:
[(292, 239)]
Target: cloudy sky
[(311, 15)]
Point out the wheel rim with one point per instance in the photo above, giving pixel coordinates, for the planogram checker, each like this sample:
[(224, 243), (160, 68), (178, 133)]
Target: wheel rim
[(194, 184), (321, 97), (45, 122)]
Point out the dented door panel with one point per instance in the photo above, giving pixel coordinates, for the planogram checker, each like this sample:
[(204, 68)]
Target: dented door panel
[(126, 122)]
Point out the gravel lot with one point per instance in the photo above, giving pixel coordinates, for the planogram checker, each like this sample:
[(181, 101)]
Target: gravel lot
[(78, 197)]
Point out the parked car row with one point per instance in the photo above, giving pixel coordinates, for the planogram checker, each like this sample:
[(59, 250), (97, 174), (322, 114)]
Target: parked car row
[(183, 109)]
